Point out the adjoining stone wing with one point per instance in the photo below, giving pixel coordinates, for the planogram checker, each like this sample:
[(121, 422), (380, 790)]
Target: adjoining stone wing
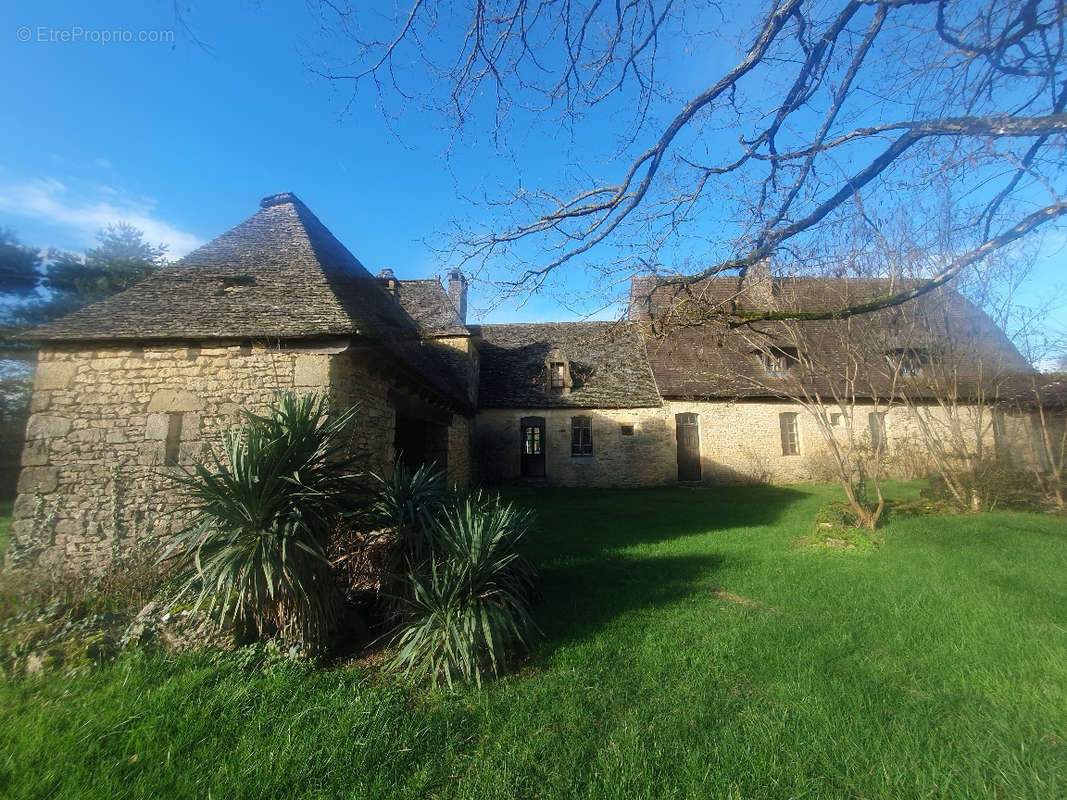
[(442, 327), (426, 302), (570, 403)]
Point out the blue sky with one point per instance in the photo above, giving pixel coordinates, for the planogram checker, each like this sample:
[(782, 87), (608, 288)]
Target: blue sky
[(182, 141)]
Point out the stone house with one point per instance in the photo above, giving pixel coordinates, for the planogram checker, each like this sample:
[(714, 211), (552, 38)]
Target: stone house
[(146, 381)]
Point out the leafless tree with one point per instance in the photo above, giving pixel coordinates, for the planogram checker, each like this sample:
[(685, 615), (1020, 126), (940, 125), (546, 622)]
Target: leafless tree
[(937, 368), (953, 388), (832, 112), (833, 371), (991, 426)]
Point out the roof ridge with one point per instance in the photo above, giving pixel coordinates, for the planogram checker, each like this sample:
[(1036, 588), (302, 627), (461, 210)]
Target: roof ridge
[(280, 198)]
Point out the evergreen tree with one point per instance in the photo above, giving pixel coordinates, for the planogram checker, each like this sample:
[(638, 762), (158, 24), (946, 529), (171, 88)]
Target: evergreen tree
[(121, 259), (20, 267)]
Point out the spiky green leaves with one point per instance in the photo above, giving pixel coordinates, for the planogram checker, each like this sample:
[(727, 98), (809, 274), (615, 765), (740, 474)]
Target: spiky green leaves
[(259, 518), (467, 612)]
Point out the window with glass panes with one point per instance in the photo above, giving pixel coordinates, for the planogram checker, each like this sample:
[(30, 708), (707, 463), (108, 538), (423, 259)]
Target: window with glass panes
[(790, 434), (557, 375), (531, 440), (581, 436)]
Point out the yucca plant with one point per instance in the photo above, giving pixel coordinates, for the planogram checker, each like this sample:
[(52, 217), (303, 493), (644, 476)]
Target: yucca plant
[(467, 609), (260, 518), (409, 500)]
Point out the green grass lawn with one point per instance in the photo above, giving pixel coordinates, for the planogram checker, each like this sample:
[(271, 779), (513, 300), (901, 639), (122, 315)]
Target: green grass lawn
[(691, 650)]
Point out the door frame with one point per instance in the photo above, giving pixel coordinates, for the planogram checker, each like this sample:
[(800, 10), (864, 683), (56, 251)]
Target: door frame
[(688, 419), (532, 465)]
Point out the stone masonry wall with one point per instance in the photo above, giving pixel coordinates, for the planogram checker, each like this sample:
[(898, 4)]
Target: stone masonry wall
[(352, 384), (373, 431), (104, 421), (646, 458), (739, 441), (459, 450)]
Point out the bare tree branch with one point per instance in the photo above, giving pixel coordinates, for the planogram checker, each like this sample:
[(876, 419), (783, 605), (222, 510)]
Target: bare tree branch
[(835, 108)]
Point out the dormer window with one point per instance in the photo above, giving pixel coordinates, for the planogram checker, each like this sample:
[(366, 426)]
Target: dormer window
[(557, 375), (910, 361), (778, 362), (235, 283), (556, 372)]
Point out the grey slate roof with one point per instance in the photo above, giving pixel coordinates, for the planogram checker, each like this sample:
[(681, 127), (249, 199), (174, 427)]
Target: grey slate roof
[(427, 303), (1048, 391), (1054, 395), (607, 362), (709, 360), (278, 275)]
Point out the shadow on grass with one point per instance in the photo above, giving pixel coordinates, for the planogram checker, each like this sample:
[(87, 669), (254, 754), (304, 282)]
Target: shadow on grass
[(582, 597), (604, 553)]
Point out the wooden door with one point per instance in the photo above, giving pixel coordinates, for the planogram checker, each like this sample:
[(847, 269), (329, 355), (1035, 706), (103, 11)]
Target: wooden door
[(688, 427), (532, 452)]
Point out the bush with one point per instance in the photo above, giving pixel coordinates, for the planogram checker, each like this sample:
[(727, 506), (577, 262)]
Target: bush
[(757, 470), (261, 518), (821, 467), (836, 516), (838, 528), (410, 502), (849, 539), (59, 620), (991, 484), (907, 461), (369, 553), (466, 611)]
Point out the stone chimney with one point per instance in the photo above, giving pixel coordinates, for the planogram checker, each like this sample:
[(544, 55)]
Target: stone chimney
[(388, 280), (279, 199), (457, 290), (757, 290)]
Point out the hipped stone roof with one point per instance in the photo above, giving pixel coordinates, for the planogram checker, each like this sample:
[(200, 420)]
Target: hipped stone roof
[(279, 275)]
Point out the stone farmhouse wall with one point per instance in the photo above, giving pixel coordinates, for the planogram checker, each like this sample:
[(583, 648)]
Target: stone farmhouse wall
[(459, 450), (639, 460), (106, 422), (739, 442)]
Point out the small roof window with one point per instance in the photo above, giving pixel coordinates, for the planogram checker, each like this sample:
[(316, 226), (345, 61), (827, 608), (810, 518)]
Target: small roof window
[(234, 283), (558, 372)]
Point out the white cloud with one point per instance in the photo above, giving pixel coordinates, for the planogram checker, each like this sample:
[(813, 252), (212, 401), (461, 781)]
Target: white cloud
[(103, 163), (84, 213)]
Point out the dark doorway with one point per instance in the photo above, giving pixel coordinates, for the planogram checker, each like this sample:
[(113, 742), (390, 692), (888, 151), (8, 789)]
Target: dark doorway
[(421, 434), (410, 442), (688, 426), (532, 454), (420, 443)]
